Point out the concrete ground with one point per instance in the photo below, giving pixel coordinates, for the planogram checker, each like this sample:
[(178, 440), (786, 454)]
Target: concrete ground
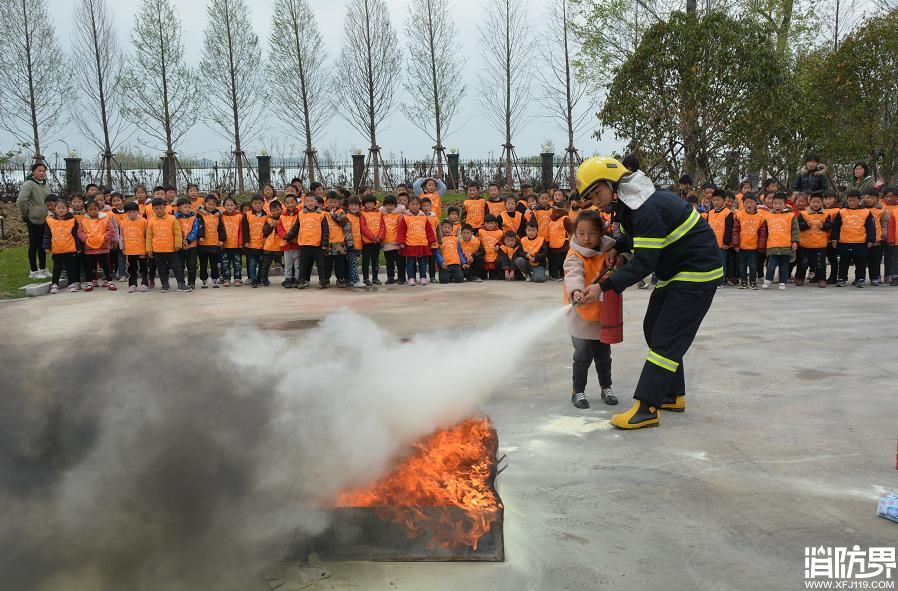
[(788, 440)]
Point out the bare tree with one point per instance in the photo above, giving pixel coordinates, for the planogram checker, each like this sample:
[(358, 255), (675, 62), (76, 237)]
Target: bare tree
[(563, 94), (505, 80), (297, 75), (368, 72), (160, 91), (34, 87), (232, 62), (100, 76), (840, 17), (433, 84)]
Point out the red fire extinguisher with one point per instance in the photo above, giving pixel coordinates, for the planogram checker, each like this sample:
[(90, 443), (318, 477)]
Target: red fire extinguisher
[(611, 316)]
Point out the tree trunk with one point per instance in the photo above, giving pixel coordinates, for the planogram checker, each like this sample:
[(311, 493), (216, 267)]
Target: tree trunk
[(436, 92), (238, 150), (691, 6), (29, 66), (101, 87), (372, 126), (570, 106), (508, 163), (307, 124), (163, 69), (782, 36)]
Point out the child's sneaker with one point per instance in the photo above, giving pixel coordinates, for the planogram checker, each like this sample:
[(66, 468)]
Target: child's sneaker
[(238, 283), (132, 289), (874, 283), (94, 283), (411, 282), (111, 286), (288, 283), (840, 283), (368, 283), (359, 284), (894, 282), (742, 285), (226, 283), (859, 284), (323, 285), (765, 285), (74, 287), (303, 285), (54, 289), (423, 281), (377, 282), (391, 281), (215, 284), (578, 399), (782, 286), (183, 288), (528, 279), (478, 280), (144, 289), (752, 285), (608, 396), (89, 286)]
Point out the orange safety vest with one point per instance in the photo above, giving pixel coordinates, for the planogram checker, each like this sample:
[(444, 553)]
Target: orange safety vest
[(509, 251), (449, 250), (435, 222), (416, 230), (210, 222), (475, 210), (186, 226), (134, 236), (310, 228), (195, 204), (496, 207), (232, 229), (592, 267), (436, 201), (470, 247), (273, 242), (356, 225), (95, 228), (543, 217), (557, 232), (336, 232), (512, 222), (287, 221), (163, 233), (489, 239), (853, 229), (876, 212), (373, 220), (256, 223), (532, 247), (118, 217), (456, 229), (718, 220), (815, 237), (61, 239), (779, 229), (391, 225), (749, 226)]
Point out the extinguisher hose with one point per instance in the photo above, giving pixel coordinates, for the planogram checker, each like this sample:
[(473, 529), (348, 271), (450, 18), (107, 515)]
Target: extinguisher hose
[(598, 279)]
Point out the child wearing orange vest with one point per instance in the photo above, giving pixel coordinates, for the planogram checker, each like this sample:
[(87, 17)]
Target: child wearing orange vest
[(831, 205), (340, 236), (253, 237), (427, 210), (312, 234), (508, 252), (490, 236), (190, 231), (585, 263), (473, 260), (534, 250), (749, 238), (272, 247), (232, 253), (61, 240), (560, 228), (782, 240), (720, 218), (395, 263), (164, 241), (354, 207), (890, 225), (373, 233), (119, 263), (474, 207), (494, 204), (853, 233), (511, 219), (449, 256), (133, 235), (453, 214), (211, 236), (814, 226), (433, 189), (874, 256), (97, 231), (290, 246), (416, 234)]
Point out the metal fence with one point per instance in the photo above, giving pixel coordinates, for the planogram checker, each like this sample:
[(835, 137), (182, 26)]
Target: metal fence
[(222, 175)]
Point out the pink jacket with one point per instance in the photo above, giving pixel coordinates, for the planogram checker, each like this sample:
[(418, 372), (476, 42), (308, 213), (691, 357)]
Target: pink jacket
[(111, 236)]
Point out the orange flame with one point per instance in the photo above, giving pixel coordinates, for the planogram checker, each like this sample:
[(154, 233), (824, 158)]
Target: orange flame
[(452, 468)]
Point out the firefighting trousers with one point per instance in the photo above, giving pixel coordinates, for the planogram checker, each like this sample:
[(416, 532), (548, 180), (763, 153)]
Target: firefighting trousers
[(671, 322)]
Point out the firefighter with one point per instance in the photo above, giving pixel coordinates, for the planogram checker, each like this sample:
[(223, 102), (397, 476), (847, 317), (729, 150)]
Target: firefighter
[(668, 237)]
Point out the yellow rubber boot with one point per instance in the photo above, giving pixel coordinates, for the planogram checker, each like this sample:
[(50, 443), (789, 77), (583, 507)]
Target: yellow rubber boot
[(674, 404), (640, 415)]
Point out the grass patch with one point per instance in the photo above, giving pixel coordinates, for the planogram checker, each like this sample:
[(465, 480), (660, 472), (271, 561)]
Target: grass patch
[(13, 271)]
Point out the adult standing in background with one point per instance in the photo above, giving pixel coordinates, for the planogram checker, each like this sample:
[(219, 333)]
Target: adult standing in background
[(861, 179), (34, 211), (812, 176)]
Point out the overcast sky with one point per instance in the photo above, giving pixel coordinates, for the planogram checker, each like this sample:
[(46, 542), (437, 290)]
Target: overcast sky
[(472, 135)]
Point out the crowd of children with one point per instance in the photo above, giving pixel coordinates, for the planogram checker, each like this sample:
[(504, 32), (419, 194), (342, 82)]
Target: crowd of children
[(99, 238)]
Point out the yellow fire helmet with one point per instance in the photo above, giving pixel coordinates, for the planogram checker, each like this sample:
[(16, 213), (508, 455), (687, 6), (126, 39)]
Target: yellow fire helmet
[(596, 170)]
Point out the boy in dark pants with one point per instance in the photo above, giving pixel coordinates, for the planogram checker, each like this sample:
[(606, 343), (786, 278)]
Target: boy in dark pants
[(272, 247), (164, 240), (312, 234), (61, 240), (340, 230), (373, 233), (470, 245), (814, 226), (190, 230), (853, 233), (874, 256)]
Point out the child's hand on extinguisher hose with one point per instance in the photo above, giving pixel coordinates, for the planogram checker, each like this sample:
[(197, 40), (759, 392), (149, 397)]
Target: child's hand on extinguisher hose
[(592, 293)]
